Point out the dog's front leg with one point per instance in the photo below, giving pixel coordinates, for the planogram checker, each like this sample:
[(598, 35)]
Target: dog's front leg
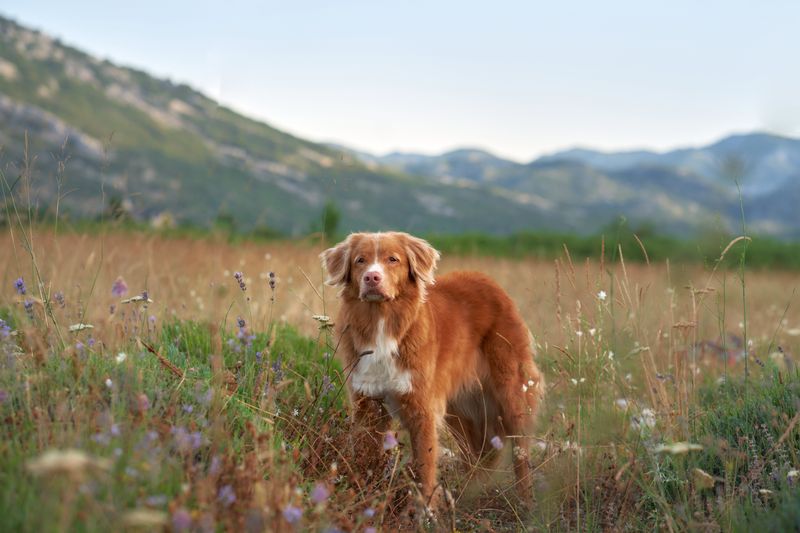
[(372, 422), (421, 424)]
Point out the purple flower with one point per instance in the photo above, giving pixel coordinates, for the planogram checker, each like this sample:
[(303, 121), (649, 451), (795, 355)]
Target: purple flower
[(114, 430), (79, 347), (5, 329), (273, 281), (59, 298), (240, 279), (3, 396), (369, 512), (226, 495), (215, 466), (292, 514), (19, 285), (181, 520), (119, 288), (185, 441), (28, 305), (158, 500), (319, 493), (188, 408), (152, 320), (370, 529), (497, 443), (240, 322), (389, 441)]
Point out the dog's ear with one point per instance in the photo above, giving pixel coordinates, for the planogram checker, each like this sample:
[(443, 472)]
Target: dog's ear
[(422, 259), (336, 261)]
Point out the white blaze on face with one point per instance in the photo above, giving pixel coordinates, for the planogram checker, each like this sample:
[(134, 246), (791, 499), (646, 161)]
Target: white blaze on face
[(377, 374)]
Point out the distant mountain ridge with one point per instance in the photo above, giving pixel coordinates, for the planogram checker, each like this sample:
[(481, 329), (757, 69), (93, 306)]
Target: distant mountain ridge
[(168, 151)]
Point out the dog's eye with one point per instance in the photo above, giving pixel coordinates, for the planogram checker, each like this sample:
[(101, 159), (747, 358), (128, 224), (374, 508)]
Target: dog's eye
[(393, 259), (361, 261)]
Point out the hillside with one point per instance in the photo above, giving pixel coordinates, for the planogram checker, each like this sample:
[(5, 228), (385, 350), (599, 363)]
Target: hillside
[(162, 148)]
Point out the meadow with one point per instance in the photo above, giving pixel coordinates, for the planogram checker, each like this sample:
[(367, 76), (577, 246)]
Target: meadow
[(179, 383)]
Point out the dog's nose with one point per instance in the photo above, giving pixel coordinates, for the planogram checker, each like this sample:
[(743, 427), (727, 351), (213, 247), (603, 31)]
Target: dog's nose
[(372, 278)]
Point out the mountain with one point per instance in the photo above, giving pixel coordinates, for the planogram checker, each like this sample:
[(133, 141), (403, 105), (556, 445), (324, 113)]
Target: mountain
[(164, 148), (89, 133), (680, 190)]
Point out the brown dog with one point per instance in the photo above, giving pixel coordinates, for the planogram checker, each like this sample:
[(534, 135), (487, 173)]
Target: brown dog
[(456, 351)]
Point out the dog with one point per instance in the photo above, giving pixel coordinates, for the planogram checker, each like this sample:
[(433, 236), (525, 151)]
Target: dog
[(451, 351)]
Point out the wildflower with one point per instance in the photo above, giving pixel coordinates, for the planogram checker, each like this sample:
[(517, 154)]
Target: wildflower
[(144, 297), (370, 529), (621, 403), (181, 520), (295, 412), (156, 500), (292, 514), (792, 475), (497, 442), (90, 342), (319, 493), (80, 327), (602, 296), (240, 322), (273, 281), (577, 381), (109, 383), (152, 320), (3, 396), (678, 448), (610, 355), (119, 288), (114, 430), (389, 441), (239, 277), (121, 356), (226, 495), (369, 512), (5, 329), (70, 462), (19, 285), (592, 331), (702, 479), (145, 519), (59, 298), (143, 402), (28, 305), (215, 466), (188, 408), (79, 347)]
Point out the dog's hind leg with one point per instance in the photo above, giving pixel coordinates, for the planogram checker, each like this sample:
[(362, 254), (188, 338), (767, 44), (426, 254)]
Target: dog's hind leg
[(517, 384)]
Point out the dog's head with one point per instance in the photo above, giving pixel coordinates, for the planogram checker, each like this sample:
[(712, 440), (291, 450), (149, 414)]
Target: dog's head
[(380, 267)]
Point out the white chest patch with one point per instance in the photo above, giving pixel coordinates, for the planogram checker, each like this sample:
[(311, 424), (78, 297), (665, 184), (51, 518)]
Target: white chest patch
[(377, 374)]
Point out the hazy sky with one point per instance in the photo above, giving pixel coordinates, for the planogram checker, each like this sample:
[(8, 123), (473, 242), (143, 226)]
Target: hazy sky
[(518, 78)]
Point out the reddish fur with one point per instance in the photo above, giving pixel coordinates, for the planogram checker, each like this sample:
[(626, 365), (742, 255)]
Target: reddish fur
[(464, 342)]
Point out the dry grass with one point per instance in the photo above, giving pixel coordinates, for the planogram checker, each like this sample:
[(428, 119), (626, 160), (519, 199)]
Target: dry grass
[(658, 333)]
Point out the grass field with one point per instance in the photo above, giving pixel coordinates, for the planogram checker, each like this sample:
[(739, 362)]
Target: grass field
[(672, 394)]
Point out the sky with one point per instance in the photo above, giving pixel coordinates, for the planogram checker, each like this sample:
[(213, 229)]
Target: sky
[(520, 79)]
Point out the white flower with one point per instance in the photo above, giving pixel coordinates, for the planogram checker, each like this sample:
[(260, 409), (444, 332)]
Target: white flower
[(592, 332), (622, 403), (80, 327), (109, 383), (524, 388), (610, 355), (121, 356), (295, 412), (678, 448), (602, 296), (579, 333), (530, 383), (576, 381)]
